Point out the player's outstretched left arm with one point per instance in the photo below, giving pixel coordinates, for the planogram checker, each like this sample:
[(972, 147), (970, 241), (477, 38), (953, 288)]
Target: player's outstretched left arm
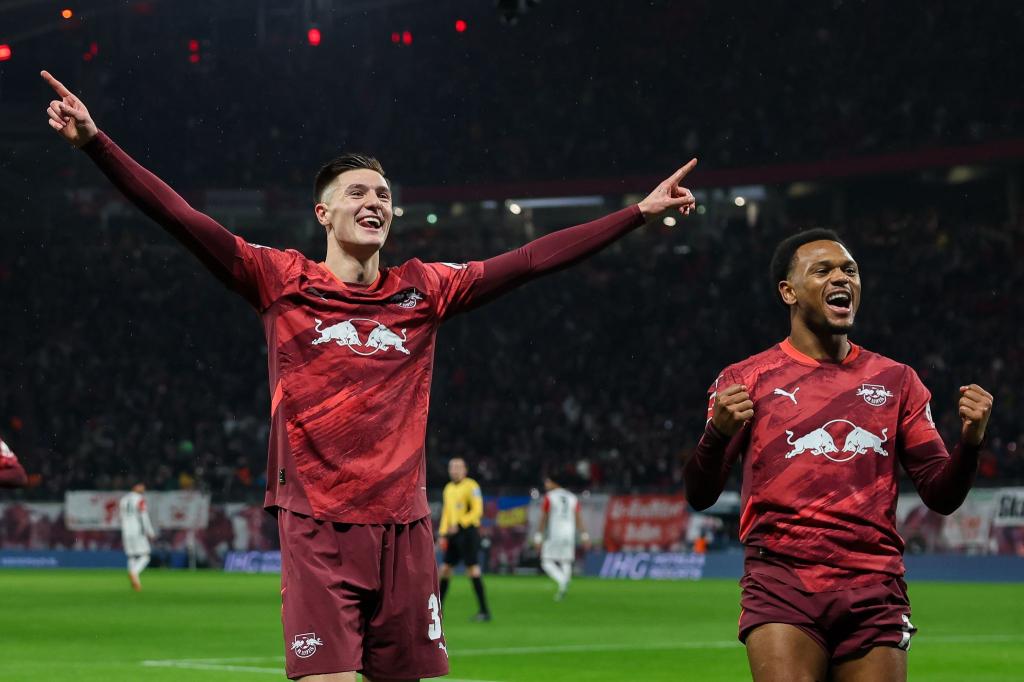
[(944, 478), (561, 249)]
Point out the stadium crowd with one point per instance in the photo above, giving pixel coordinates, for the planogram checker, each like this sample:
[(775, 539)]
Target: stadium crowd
[(592, 98), (123, 359)]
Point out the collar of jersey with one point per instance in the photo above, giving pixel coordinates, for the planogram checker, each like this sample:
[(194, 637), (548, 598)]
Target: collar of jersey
[(357, 289), (803, 359)]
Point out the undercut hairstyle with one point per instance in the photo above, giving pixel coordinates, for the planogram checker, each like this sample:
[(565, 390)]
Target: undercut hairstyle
[(335, 167), (784, 257)]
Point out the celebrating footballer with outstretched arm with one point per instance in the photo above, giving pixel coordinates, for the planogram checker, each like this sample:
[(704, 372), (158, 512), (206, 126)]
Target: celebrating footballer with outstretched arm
[(350, 362), (821, 426)]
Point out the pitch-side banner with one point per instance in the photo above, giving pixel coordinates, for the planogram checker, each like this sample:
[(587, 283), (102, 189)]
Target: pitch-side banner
[(645, 522), (172, 510)]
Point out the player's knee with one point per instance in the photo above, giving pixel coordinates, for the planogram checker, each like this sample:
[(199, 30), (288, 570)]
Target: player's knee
[(473, 571), (446, 571)]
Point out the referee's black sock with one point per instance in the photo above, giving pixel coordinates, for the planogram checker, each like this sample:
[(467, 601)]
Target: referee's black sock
[(444, 588), (478, 587)]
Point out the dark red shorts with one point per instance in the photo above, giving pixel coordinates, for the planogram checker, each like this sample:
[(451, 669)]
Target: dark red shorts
[(845, 623), (357, 597)]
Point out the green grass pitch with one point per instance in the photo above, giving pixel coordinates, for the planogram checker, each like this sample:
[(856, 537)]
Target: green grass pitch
[(89, 627)]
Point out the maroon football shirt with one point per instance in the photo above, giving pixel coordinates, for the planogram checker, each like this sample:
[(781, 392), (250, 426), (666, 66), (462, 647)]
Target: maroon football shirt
[(350, 365), (820, 460)]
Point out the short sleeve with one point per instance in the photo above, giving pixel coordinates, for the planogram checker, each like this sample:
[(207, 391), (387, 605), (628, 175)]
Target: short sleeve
[(453, 285), (916, 423)]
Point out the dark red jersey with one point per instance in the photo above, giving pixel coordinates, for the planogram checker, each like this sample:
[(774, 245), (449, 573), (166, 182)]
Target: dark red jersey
[(350, 366), (820, 460), (350, 382)]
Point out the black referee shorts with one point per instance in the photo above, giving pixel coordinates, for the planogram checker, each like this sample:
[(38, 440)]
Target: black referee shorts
[(463, 547)]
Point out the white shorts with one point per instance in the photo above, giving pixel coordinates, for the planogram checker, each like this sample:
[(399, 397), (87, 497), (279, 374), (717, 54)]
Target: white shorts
[(558, 550), (135, 545)]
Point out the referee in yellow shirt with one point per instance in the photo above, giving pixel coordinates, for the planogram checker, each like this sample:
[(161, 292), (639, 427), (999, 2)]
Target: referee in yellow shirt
[(460, 532)]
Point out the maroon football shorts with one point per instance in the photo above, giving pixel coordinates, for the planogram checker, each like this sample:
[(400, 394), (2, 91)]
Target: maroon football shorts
[(845, 623), (360, 597)]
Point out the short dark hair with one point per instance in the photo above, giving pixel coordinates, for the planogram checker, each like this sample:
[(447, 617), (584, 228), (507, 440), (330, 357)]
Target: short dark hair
[(784, 257), (335, 167)]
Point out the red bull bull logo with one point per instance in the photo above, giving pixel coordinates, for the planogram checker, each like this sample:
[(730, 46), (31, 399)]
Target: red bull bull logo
[(305, 645), (822, 441), (378, 337)]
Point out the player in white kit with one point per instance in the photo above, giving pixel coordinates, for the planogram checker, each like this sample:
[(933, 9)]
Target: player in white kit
[(559, 520), (136, 532)]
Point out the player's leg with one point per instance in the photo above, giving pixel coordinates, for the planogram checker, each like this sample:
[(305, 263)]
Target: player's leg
[(471, 547), (133, 576), (880, 664), (404, 639), (876, 632), (552, 568), (782, 629), (566, 566), (452, 557), (778, 652), (330, 576)]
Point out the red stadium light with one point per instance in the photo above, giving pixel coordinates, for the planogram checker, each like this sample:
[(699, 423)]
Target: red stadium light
[(193, 45), (313, 36), (396, 37), (461, 26), (407, 37), (67, 13), (5, 52), (94, 49), (193, 58)]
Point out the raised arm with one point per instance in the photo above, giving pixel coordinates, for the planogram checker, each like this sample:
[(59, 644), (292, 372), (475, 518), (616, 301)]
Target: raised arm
[(943, 478), (215, 246), (724, 439), (559, 250)]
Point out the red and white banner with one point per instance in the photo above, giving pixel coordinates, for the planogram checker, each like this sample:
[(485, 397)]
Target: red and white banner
[(645, 522), (172, 510)]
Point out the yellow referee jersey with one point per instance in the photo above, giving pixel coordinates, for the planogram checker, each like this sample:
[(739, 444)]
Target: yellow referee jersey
[(463, 505)]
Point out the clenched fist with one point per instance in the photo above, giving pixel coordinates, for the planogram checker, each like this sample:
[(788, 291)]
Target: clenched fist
[(733, 408), (975, 409)]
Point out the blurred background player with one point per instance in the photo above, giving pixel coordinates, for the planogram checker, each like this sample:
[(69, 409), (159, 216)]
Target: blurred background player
[(820, 425), (136, 532), (559, 520), (12, 475), (460, 532)]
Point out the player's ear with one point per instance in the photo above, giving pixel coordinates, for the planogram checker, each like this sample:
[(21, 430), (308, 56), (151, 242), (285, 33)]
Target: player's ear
[(787, 292), (321, 214)]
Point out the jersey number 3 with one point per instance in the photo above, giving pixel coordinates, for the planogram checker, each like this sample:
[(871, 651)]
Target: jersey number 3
[(434, 629)]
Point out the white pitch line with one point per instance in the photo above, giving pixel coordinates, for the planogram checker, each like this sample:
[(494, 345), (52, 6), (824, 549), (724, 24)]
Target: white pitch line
[(230, 664), (215, 667)]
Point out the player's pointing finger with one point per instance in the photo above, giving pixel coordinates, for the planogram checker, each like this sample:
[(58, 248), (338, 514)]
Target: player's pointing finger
[(57, 86), (683, 172)]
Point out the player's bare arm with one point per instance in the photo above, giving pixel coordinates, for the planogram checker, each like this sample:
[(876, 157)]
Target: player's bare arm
[(975, 408), (733, 408), (69, 115)]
